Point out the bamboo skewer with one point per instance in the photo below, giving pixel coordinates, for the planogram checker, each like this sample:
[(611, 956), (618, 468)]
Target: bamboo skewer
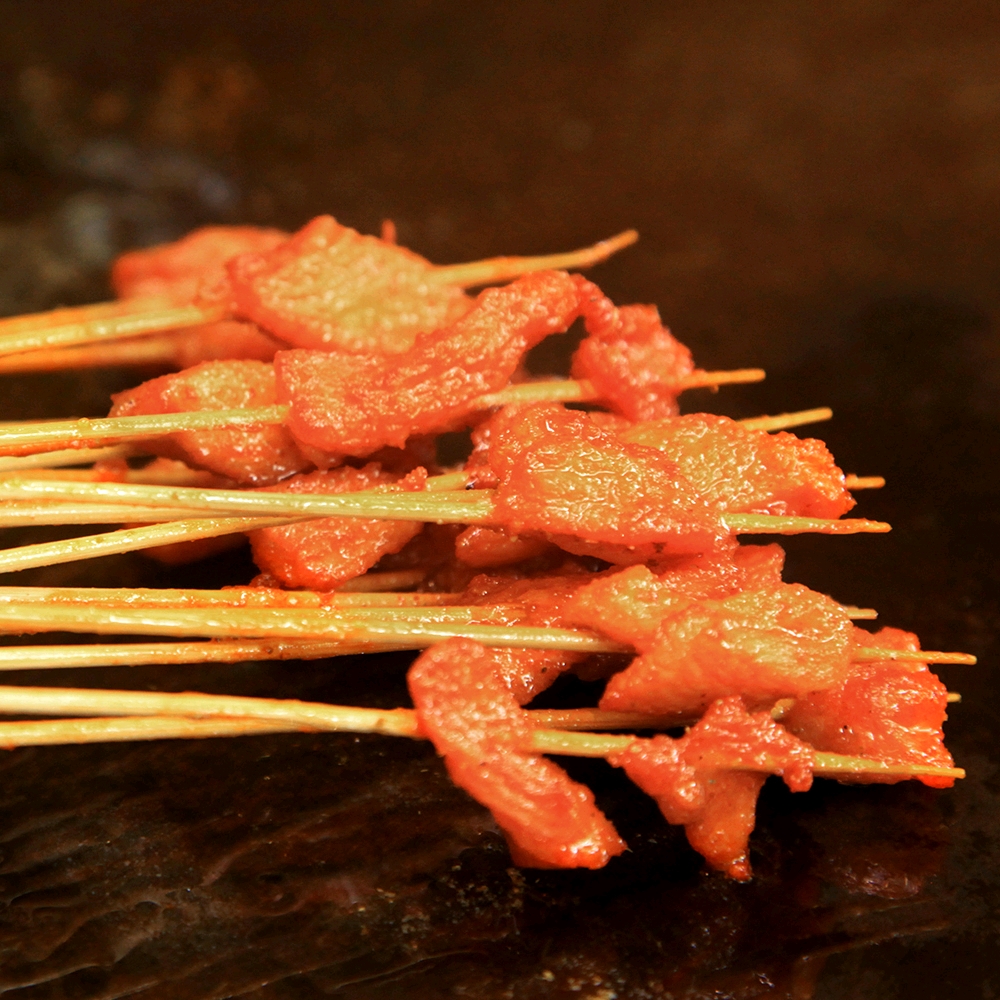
[(494, 270), (442, 507), (299, 715), (128, 318), (112, 327), (419, 626), (148, 350), (32, 436)]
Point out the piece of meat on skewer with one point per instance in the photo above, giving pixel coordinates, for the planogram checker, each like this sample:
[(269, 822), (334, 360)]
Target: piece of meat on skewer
[(695, 783), (466, 706), (633, 361), (747, 470), (324, 553), (781, 642), (254, 456), (886, 710), (178, 272), (329, 287)]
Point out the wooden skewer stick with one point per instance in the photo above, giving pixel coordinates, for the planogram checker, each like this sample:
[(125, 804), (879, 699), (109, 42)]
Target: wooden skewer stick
[(444, 507), (31, 436), (148, 350), (863, 482), (875, 654), (420, 626), (229, 597), (115, 327), (782, 421), (62, 459), (66, 315), (339, 718), (135, 539), (494, 270)]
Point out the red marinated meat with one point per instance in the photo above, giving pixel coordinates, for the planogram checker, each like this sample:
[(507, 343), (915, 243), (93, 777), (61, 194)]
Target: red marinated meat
[(635, 364), (887, 711), (351, 404), (709, 779), (222, 341), (537, 599), (749, 471), (254, 456), (330, 288), (176, 272), (326, 552), (563, 475), (481, 547), (465, 706), (629, 605), (781, 642)]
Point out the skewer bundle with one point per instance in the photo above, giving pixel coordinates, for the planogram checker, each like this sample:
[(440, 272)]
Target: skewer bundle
[(315, 373)]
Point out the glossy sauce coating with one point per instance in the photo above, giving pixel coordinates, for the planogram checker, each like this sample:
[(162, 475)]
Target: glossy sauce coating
[(326, 552), (889, 711), (764, 645), (352, 404), (329, 287), (633, 360), (177, 272), (467, 709), (561, 474), (694, 787), (749, 471), (251, 456)]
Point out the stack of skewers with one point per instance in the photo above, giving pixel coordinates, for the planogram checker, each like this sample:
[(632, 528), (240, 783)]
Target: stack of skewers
[(592, 530)]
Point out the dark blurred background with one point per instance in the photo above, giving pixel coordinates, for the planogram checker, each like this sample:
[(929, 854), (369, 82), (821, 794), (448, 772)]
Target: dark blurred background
[(817, 188)]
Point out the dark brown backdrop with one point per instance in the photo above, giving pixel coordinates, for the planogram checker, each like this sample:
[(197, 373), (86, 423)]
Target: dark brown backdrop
[(818, 192)]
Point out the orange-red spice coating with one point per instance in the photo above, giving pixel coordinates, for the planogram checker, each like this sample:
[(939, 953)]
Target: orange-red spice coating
[(481, 547), (888, 711), (176, 272), (781, 642), (562, 474), (465, 706), (254, 456), (629, 605), (749, 471), (696, 784), (326, 552), (225, 339), (634, 362), (329, 287), (351, 404)]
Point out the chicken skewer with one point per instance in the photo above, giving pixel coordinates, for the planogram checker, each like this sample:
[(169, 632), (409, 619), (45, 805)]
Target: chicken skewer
[(51, 435), (108, 321), (297, 716)]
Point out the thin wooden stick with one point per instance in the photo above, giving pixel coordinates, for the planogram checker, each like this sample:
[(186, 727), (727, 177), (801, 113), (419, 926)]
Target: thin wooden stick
[(27, 438), (151, 350), (877, 654), (117, 327), (421, 626), (496, 269), (864, 482), (64, 458), (782, 421), (127, 540), (65, 315), (341, 718), (31, 436), (462, 507), (371, 583), (228, 597)]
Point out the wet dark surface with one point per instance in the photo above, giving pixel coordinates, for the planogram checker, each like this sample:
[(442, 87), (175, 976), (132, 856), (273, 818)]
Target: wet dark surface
[(818, 193)]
